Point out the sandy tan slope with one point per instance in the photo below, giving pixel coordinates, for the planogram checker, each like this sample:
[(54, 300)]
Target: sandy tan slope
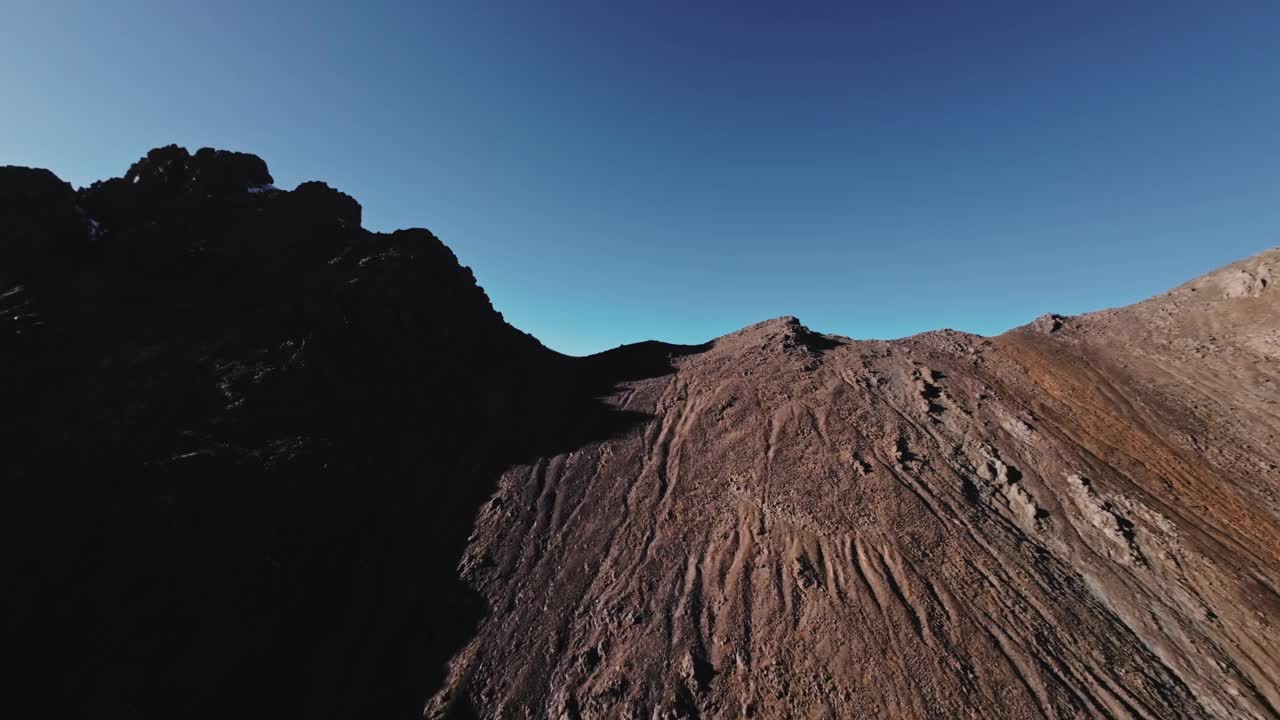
[(1078, 518)]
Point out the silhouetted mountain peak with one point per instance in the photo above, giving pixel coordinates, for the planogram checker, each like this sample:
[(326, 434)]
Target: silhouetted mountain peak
[(41, 222), (319, 200), (208, 171)]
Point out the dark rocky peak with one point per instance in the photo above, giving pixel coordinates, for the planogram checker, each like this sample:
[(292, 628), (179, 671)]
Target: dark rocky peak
[(257, 406), (39, 221), (204, 242), (172, 185), (20, 186), (171, 180), (319, 201), (208, 172)]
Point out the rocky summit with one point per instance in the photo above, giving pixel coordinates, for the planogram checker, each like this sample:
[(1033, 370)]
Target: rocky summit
[(261, 462)]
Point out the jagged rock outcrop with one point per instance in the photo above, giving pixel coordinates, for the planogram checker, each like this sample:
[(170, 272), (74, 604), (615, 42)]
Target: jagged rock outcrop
[(263, 462), (245, 440)]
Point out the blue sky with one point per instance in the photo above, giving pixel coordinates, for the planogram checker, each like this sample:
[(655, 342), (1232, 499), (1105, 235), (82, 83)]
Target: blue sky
[(615, 172)]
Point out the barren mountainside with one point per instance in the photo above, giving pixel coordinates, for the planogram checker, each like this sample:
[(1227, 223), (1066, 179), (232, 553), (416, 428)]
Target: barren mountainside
[(259, 461)]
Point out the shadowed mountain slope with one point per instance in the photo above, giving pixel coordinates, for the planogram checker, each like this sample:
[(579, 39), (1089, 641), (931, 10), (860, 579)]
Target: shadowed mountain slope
[(263, 462), (246, 439)]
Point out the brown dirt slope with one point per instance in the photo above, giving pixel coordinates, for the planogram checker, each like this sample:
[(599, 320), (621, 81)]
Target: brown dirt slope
[(1078, 518)]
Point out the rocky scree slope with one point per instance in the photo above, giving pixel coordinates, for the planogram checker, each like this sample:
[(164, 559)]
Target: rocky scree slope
[(264, 462), (1078, 518)]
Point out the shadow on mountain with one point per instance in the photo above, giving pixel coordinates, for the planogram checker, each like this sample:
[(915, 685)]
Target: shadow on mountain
[(817, 342), (636, 361), (246, 441)]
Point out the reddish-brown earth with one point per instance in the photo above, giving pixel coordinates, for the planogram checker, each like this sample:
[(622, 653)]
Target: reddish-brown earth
[(262, 462), (1078, 518)]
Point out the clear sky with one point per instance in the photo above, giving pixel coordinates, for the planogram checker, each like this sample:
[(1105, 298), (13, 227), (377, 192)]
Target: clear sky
[(617, 171)]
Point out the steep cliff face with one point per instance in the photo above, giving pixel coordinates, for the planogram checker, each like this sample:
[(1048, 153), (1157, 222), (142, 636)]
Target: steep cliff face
[(263, 462)]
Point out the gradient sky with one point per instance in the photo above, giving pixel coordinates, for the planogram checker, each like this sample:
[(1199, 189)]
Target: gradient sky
[(617, 171)]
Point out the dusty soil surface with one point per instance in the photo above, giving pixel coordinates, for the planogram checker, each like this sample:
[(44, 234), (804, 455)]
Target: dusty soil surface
[(261, 462), (1076, 519)]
